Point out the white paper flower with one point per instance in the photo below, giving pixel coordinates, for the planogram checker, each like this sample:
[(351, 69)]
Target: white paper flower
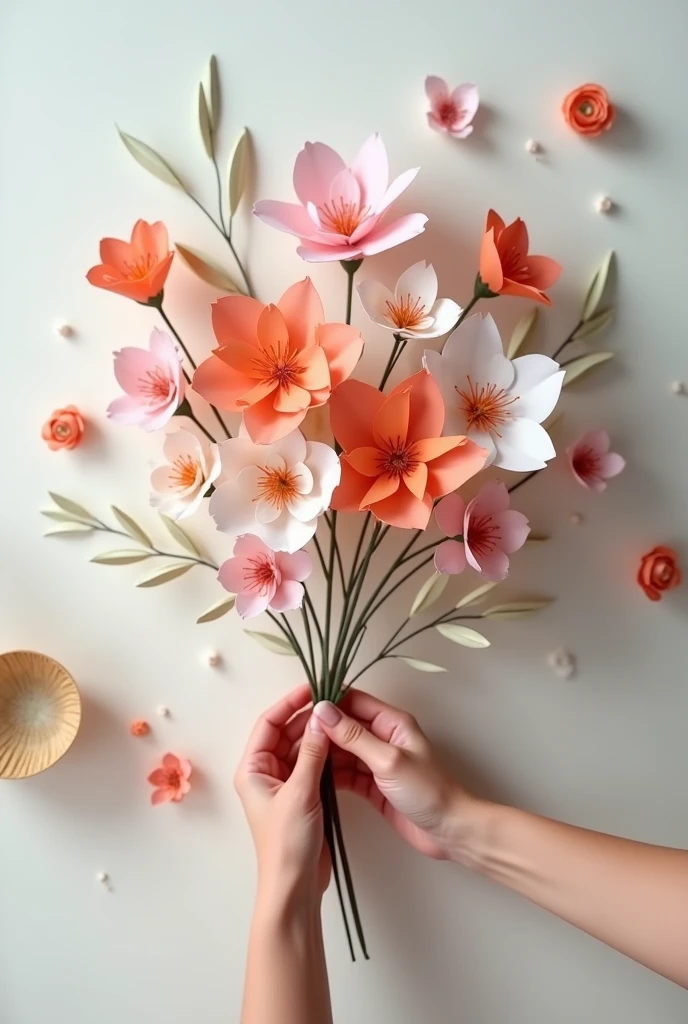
[(191, 465), (498, 402), (275, 491), (412, 309)]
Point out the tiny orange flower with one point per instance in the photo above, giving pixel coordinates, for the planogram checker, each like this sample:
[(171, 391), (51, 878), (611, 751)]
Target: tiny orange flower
[(587, 109), (64, 429), (139, 728), (658, 572), (137, 269), (171, 780)]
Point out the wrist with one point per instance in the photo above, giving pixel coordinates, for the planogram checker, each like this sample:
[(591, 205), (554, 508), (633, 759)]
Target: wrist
[(281, 900), (471, 828)]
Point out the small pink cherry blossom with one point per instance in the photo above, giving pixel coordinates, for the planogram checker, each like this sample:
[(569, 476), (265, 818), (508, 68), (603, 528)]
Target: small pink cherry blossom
[(592, 464), (488, 529), (153, 381), (262, 578), (451, 112), (171, 780)]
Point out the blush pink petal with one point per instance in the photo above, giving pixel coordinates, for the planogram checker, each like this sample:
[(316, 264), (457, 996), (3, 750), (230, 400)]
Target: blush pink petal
[(249, 605), (314, 252), (449, 514), (436, 89), (248, 546), (289, 217), (386, 236), (315, 167), (493, 498), (514, 529), (371, 168), (466, 99), (125, 410), (399, 185), (493, 566), (288, 596), (232, 574), (450, 557), (297, 566), (611, 464), (131, 366)]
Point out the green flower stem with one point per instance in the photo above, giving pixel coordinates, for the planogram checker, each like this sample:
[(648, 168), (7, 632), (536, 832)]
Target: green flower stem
[(328, 827), (326, 668), (338, 554), (357, 554), (334, 809), (567, 341), (288, 632), (397, 348), (350, 607), (524, 480), (218, 178), (350, 267), (311, 608), (321, 557), (240, 265), (464, 312), (185, 410), (309, 640)]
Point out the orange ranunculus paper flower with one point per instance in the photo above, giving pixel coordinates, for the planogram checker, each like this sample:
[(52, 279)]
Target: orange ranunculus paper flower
[(395, 461), (587, 109), (506, 268), (64, 429), (136, 269), (275, 363), (658, 572)]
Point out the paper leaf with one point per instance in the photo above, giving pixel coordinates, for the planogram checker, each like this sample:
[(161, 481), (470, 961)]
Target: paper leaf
[(420, 666), (238, 171), (207, 269), (276, 644), (537, 538), (597, 287), (68, 528), (67, 505), (462, 635), (211, 86), (164, 575), (430, 592), (593, 326), (204, 122), (516, 609), (60, 517), (217, 610), (180, 536), (475, 596), (522, 332), (131, 526), (123, 557), (577, 367), (150, 160)]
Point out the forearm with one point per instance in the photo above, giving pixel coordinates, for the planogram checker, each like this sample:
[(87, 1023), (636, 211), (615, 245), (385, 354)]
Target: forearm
[(632, 896)]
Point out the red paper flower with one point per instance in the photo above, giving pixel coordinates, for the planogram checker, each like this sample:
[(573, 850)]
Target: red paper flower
[(658, 572), (587, 109)]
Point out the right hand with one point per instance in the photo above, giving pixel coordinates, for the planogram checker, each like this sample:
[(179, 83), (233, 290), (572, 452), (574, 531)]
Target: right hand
[(385, 757)]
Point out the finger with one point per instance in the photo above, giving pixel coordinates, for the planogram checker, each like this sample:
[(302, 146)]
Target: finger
[(292, 733), (310, 760), (349, 734), (345, 759), (362, 785), (385, 721), (267, 730)]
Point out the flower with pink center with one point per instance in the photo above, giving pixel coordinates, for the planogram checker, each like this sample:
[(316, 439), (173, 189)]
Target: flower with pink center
[(262, 578), (592, 464), (153, 383), (451, 112), (171, 780), (340, 208), (483, 532)]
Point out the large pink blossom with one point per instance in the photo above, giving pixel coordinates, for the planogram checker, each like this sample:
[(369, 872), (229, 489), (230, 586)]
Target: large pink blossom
[(338, 216), (490, 531), (592, 464), (262, 578), (153, 383)]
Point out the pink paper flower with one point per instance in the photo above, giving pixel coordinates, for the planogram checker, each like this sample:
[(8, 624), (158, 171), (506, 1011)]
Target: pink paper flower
[(171, 780), (340, 208), (262, 578), (592, 463), (153, 382), (489, 531), (451, 112)]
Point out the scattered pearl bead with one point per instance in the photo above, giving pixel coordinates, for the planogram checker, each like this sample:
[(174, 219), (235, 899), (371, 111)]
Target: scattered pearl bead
[(576, 518), (604, 204), (163, 711), (563, 663), (678, 387), (64, 330), (213, 658), (533, 147), (103, 877)]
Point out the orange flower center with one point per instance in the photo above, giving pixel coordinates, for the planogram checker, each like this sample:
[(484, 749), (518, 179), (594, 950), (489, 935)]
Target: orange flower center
[(398, 458), (342, 215), (277, 486), (486, 407), (586, 462), (405, 311), (483, 534), (260, 575), (155, 384), (279, 365), (586, 108), (183, 472), (142, 268)]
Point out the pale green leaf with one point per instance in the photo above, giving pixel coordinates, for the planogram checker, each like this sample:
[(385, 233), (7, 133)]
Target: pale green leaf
[(164, 574), (516, 609), (577, 367), (276, 644), (594, 325), (238, 170), (217, 610), (131, 526), (60, 517), (180, 536), (204, 122), (430, 592), (462, 635), (207, 269), (67, 505), (475, 596), (537, 538), (211, 85), (123, 557), (420, 666), (522, 332), (150, 160), (597, 287), (68, 528)]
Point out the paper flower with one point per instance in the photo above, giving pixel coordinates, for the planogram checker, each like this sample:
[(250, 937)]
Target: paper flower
[(507, 268), (412, 309), (658, 572), (587, 110), (489, 529), (276, 362), (192, 465), (153, 382), (451, 112), (139, 728), (137, 269), (340, 208), (498, 402), (592, 464), (64, 429), (275, 491), (262, 578), (395, 460), (171, 780)]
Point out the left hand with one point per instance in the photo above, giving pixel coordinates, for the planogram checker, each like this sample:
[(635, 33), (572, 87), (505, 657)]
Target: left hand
[(278, 782)]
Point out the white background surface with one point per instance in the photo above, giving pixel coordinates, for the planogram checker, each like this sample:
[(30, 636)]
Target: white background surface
[(606, 749)]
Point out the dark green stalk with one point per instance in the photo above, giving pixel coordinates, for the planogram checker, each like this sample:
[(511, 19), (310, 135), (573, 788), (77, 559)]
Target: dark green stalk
[(309, 641), (219, 194), (392, 360), (321, 557), (567, 341), (348, 610), (311, 609), (328, 608), (291, 637), (334, 808), (354, 564), (515, 487), (464, 312), (337, 552), (330, 837)]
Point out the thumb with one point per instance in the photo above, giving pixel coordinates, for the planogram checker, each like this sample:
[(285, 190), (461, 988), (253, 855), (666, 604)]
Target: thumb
[(350, 735), (311, 758)]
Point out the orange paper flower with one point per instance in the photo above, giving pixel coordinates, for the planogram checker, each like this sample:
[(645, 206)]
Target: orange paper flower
[(171, 780), (587, 109), (64, 429), (506, 268), (658, 572), (139, 728), (395, 461), (137, 269), (275, 362)]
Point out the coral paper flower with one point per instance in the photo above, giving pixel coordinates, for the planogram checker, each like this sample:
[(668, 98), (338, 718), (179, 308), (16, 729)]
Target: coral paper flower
[(451, 112), (191, 465), (276, 362), (262, 578), (139, 727), (490, 531), (275, 491), (587, 109), (412, 309), (339, 213), (153, 382), (658, 572), (506, 267), (498, 402), (592, 463), (171, 780), (137, 269), (64, 429), (395, 460)]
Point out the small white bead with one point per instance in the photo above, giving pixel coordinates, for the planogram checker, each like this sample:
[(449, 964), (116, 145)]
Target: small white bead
[(213, 658), (103, 876), (576, 518), (533, 147), (63, 329), (678, 387), (604, 204), (563, 663), (163, 711)]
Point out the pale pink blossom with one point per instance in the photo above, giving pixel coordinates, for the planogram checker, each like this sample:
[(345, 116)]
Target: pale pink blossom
[(262, 578), (340, 208), (451, 112), (483, 532), (152, 380), (171, 780), (592, 464)]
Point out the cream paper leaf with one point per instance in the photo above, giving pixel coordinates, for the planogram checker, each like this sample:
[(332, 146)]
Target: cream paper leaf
[(68, 528), (462, 635), (276, 644), (180, 536), (204, 122), (207, 269), (516, 609), (217, 610), (238, 170), (164, 574), (594, 325), (420, 666), (475, 596), (150, 160), (131, 527), (211, 86), (123, 557), (67, 505), (522, 332), (577, 367), (597, 287), (430, 592)]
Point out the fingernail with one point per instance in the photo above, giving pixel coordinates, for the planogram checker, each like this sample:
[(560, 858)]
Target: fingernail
[(315, 725), (327, 712)]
